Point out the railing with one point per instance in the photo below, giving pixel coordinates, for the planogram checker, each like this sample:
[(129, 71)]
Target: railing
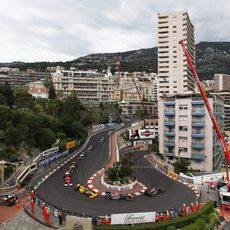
[(169, 112), (8, 190)]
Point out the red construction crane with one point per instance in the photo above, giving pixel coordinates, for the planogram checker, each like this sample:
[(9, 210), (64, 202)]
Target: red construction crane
[(141, 99), (220, 136)]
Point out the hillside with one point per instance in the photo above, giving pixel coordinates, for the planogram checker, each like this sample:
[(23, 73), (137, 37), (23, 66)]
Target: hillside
[(212, 57)]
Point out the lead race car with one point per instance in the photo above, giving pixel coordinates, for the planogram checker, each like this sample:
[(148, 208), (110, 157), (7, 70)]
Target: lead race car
[(117, 196), (68, 181)]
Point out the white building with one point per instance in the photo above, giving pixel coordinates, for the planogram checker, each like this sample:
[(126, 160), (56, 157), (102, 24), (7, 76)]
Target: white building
[(90, 86), (186, 130), (222, 82), (174, 75), (38, 90)]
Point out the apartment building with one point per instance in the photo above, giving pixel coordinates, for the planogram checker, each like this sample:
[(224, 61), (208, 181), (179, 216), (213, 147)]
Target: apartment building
[(174, 74), (129, 108), (186, 130), (22, 78), (90, 86), (125, 89), (226, 98), (222, 82)]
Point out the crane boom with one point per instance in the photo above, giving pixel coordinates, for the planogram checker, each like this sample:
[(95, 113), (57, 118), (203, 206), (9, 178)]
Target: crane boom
[(142, 103), (217, 128)]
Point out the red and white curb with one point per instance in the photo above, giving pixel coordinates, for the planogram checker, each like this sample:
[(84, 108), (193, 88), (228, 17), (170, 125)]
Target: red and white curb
[(92, 188), (185, 183), (54, 170)]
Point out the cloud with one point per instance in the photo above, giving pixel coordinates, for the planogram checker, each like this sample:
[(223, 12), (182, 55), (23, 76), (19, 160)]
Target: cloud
[(48, 30)]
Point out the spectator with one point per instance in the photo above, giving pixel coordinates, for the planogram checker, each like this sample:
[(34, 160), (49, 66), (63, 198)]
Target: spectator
[(106, 221), (60, 217)]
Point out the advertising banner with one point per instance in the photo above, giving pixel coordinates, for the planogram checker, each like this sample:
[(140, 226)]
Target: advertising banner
[(52, 158), (70, 144), (142, 134), (141, 144), (133, 218)]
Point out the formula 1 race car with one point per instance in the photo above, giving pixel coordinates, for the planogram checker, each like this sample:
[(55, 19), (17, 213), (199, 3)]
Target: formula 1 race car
[(81, 188), (91, 194), (117, 196), (153, 191), (81, 156), (68, 181)]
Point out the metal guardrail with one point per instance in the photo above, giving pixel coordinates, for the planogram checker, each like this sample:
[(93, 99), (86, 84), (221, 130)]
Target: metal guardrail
[(8, 190)]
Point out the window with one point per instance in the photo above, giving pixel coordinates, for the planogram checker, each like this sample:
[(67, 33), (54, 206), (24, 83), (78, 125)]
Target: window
[(183, 139), (183, 117), (182, 149), (183, 107), (183, 128)]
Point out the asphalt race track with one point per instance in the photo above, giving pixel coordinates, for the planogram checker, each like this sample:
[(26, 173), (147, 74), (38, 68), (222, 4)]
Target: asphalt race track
[(54, 193)]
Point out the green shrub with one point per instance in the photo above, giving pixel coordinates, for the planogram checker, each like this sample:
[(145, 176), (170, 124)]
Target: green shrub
[(205, 218), (213, 219), (171, 228)]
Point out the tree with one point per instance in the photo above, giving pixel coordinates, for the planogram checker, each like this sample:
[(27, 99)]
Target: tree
[(52, 93), (112, 174), (45, 138), (23, 131), (5, 116), (24, 100), (12, 136), (154, 146), (140, 113), (181, 165), (7, 92), (3, 100), (77, 128), (71, 109)]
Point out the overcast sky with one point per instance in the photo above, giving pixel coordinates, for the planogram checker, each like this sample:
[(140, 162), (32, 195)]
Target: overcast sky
[(61, 30)]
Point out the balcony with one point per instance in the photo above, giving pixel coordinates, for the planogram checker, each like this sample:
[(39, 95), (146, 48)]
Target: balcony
[(168, 154), (169, 112), (199, 112), (169, 123), (198, 157), (169, 103), (197, 145), (169, 134), (197, 103), (198, 124), (169, 143), (198, 135)]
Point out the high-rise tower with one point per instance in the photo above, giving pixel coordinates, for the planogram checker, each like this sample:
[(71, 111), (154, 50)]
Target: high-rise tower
[(173, 71)]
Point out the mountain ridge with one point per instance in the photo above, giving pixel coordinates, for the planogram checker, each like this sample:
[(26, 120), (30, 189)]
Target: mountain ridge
[(211, 58)]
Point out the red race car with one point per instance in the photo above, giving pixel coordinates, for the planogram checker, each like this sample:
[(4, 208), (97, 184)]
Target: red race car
[(68, 181)]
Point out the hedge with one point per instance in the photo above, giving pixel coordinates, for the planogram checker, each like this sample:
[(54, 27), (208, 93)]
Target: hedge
[(178, 222)]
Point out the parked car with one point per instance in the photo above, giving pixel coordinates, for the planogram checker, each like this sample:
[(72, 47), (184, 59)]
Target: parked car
[(117, 196), (153, 191)]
